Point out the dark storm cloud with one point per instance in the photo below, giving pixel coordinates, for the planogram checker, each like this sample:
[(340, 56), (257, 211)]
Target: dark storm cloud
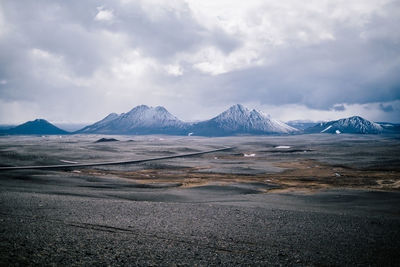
[(348, 69), (386, 108), (171, 32), (339, 108), (58, 28)]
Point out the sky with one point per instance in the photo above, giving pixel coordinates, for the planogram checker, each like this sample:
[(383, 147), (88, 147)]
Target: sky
[(77, 61)]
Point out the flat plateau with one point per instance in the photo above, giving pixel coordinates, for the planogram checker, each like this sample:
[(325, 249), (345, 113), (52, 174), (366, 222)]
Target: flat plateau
[(306, 200)]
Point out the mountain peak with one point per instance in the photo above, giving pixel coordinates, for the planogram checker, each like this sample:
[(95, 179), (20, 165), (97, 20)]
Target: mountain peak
[(37, 126), (139, 108), (240, 120), (354, 124), (238, 108), (356, 117), (139, 120), (39, 121)]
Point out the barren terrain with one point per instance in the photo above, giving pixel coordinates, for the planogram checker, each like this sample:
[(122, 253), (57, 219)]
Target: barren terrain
[(307, 200)]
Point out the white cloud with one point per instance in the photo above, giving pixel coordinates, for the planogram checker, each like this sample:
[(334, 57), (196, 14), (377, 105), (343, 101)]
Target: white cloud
[(214, 61), (104, 14), (131, 65), (174, 70), (263, 26)]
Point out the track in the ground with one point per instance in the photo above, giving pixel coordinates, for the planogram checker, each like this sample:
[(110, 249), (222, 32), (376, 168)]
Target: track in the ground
[(62, 166)]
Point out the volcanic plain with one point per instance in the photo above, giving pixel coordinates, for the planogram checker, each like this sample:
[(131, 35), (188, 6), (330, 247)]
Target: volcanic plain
[(302, 200)]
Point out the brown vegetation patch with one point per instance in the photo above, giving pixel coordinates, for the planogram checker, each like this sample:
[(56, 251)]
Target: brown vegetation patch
[(301, 175)]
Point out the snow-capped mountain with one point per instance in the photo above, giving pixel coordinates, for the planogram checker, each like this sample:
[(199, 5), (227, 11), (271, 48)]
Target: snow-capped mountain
[(38, 126), (240, 120), (140, 120), (355, 125)]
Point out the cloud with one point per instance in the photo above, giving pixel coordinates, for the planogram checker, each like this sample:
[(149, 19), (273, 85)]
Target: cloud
[(198, 56), (174, 70), (370, 111), (339, 107), (104, 14), (386, 108)]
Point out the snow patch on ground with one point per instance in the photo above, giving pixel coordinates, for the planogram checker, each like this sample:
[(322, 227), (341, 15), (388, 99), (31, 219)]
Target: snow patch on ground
[(249, 155), (68, 161), (283, 147), (326, 129)]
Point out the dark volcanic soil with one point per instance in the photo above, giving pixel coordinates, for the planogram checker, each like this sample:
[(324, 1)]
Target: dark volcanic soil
[(335, 205)]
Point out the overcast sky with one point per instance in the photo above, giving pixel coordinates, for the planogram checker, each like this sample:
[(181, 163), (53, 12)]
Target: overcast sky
[(77, 61)]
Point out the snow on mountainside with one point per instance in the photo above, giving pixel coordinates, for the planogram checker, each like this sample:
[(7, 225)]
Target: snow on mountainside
[(100, 124), (240, 120), (234, 121), (144, 116), (356, 125), (140, 120), (237, 120)]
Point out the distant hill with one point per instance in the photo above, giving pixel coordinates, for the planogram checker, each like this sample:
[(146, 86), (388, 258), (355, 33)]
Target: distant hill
[(140, 120), (4, 127), (240, 120), (353, 125), (38, 126), (390, 127), (301, 125)]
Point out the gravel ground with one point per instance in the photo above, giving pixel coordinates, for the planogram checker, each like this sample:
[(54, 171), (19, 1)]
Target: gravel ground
[(128, 216), (46, 220)]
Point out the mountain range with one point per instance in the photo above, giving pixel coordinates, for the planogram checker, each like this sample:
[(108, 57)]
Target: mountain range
[(148, 120), (237, 120)]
